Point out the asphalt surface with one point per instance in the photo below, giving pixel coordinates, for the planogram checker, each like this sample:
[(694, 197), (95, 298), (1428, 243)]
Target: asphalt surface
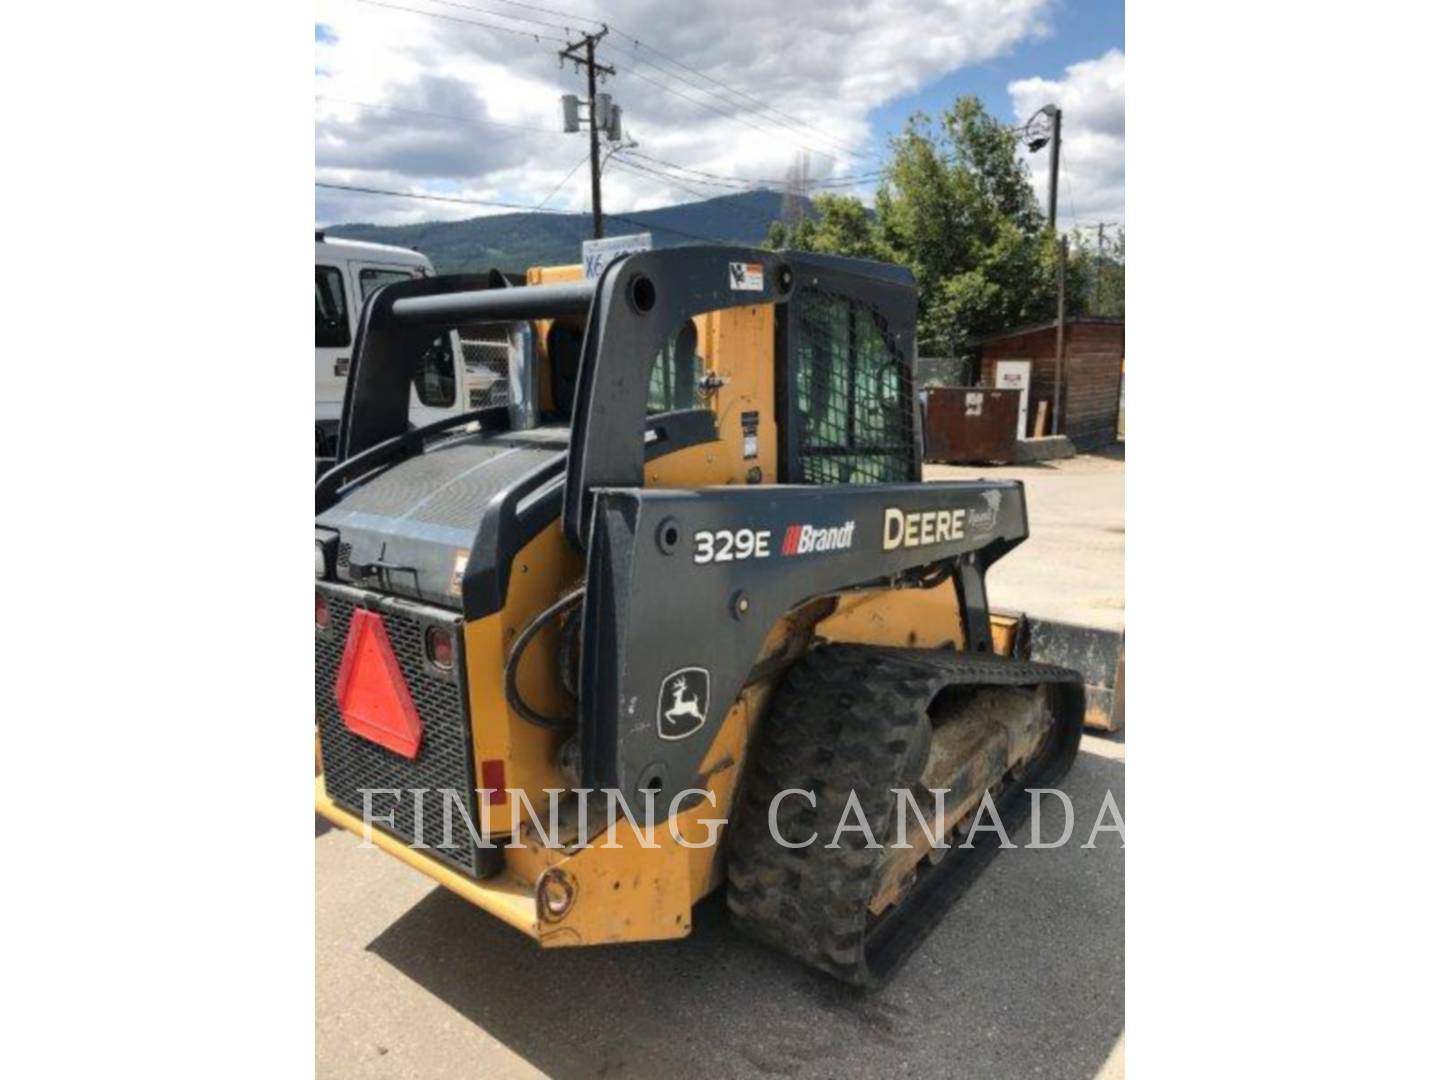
[(1023, 977), (1073, 566)]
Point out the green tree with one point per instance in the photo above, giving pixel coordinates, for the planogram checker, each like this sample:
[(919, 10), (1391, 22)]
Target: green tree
[(1096, 279), (957, 208), (841, 226)]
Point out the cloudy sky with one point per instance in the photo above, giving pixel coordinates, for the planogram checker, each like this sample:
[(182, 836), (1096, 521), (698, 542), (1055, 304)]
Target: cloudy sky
[(460, 98)]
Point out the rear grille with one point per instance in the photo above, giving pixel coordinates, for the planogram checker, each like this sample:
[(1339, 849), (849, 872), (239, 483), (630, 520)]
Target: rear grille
[(445, 760)]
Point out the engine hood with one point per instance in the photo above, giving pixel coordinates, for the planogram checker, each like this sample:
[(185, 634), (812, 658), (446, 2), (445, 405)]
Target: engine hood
[(441, 527)]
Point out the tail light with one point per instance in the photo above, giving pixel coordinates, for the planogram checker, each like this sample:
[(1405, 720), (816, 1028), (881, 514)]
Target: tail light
[(322, 612), (440, 647)]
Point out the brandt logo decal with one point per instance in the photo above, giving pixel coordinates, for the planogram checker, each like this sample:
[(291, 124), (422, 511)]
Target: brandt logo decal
[(803, 539), (684, 701)]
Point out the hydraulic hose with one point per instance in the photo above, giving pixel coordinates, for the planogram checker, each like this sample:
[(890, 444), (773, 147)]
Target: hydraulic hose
[(517, 653)]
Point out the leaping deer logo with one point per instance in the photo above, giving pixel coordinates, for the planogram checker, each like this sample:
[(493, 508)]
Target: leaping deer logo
[(687, 707), (682, 705)]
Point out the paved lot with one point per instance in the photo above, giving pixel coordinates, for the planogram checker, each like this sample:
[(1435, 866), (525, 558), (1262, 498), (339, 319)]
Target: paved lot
[(1073, 566), (1024, 977)]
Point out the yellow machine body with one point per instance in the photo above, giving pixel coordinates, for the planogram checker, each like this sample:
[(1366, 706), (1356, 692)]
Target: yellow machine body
[(614, 888)]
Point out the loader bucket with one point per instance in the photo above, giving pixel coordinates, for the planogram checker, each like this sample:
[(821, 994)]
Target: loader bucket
[(1097, 653)]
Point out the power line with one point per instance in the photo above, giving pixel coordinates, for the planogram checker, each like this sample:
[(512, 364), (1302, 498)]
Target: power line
[(501, 14), (730, 116), (541, 204), (550, 11), (538, 37), (650, 226), (639, 170), (746, 95), (759, 109), (675, 173), (758, 105), (513, 206), (844, 180), (467, 22), (434, 198)]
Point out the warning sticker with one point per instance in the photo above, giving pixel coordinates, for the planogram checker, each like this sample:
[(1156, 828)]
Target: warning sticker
[(747, 276), (457, 577)]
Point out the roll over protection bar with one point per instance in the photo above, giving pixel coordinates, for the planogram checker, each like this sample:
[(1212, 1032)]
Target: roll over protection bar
[(638, 304), (643, 299), (446, 310)]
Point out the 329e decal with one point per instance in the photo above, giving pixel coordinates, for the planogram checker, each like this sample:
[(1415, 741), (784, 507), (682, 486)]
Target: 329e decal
[(728, 545)]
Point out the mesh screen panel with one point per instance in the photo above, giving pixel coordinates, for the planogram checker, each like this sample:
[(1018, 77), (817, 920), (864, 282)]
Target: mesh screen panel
[(853, 393), (487, 364)]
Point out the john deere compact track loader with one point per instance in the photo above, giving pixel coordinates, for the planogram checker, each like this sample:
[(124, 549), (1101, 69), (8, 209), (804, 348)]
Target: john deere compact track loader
[(690, 565)]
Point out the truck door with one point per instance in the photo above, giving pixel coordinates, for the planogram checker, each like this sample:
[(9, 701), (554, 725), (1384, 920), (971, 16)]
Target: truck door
[(334, 332), (439, 391)]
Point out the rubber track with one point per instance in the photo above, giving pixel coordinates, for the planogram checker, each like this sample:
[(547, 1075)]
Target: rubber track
[(853, 717)]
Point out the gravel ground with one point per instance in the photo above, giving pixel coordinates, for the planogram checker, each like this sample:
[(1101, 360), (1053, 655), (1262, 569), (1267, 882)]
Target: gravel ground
[(1024, 977)]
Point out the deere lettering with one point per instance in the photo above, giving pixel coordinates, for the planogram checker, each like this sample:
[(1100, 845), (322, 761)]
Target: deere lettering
[(922, 527)]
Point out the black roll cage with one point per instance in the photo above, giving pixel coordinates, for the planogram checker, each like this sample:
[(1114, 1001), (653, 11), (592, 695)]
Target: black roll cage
[(631, 310)]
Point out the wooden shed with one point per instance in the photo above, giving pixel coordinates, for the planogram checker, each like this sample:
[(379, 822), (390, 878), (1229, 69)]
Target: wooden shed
[(1092, 363)]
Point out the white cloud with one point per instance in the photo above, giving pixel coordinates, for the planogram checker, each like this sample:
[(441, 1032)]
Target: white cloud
[(823, 64), (1091, 97)]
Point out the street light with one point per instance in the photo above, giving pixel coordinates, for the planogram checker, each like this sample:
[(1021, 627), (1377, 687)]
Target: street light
[(1036, 136)]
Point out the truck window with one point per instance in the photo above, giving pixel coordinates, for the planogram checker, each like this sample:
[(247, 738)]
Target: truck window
[(332, 322), (372, 279), (435, 384)]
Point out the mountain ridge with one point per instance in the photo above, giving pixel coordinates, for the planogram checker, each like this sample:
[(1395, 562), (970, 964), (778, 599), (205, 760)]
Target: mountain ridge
[(514, 242)]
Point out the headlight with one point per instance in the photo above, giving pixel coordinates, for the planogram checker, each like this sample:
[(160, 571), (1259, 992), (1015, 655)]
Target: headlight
[(319, 559)]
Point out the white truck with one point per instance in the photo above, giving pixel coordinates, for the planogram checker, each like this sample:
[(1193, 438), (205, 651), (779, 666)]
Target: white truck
[(346, 273)]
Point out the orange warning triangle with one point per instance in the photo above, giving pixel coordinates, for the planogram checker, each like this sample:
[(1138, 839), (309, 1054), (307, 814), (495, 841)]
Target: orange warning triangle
[(374, 701)]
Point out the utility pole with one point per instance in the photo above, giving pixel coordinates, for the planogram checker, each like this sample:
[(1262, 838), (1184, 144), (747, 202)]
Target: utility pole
[(1099, 267), (1054, 165), (1061, 363), (572, 52)]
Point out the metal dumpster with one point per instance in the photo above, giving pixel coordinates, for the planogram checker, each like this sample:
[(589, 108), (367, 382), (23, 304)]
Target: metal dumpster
[(965, 424)]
